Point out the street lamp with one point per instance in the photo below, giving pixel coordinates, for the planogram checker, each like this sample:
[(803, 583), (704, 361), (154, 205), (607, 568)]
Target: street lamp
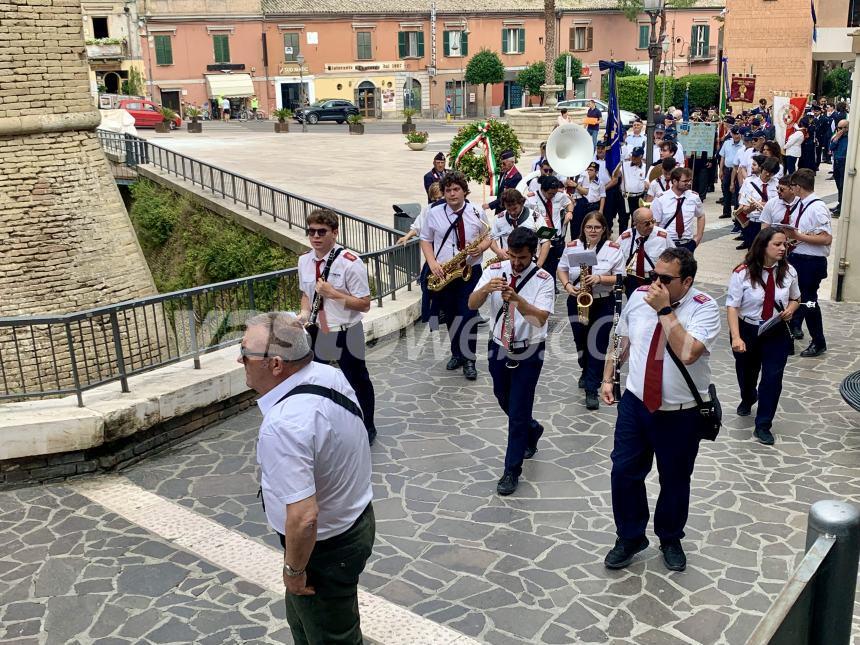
[(300, 59), (653, 8)]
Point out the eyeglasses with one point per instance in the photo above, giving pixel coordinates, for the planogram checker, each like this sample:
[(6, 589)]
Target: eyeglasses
[(244, 354), (662, 277), (546, 171), (592, 228), (316, 232)]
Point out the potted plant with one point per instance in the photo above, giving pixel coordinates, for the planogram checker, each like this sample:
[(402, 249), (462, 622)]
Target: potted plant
[(417, 140), (408, 126), (282, 114), (167, 118), (194, 125), (355, 124)]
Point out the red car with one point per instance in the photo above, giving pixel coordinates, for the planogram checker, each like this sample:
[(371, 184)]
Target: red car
[(146, 113)]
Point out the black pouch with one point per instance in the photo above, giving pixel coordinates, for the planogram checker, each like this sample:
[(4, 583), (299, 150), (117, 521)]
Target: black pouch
[(710, 412)]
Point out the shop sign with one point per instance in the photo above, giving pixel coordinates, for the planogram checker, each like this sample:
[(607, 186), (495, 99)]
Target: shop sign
[(381, 66)]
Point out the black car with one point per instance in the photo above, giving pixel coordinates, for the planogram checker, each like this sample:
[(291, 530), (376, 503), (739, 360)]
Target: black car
[(326, 110)]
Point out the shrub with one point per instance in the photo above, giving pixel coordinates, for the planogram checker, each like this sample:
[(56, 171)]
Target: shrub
[(417, 137), (837, 83), (167, 115), (282, 114), (354, 119), (408, 113), (633, 92), (473, 165), (704, 91), (153, 213)]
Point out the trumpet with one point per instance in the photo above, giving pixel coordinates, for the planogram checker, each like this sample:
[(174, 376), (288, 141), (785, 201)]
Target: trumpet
[(458, 266), (584, 297)]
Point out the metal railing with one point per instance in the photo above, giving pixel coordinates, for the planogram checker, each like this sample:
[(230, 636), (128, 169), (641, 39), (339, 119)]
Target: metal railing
[(702, 52), (816, 605), (61, 354)]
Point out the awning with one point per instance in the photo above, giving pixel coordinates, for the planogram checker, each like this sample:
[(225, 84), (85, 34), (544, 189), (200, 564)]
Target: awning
[(231, 86)]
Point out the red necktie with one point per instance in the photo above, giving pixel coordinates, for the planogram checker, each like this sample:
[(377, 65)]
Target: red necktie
[(769, 295), (787, 216), (653, 391), (549, 214), (640, 258), (505, 342), (679, 218), (461, 230), (322, 322), (764, 192)]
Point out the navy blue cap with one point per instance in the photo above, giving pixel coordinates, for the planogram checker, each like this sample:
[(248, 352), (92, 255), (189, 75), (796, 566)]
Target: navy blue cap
[(440, 156), (735, 130), (638, 151), (507, 154)]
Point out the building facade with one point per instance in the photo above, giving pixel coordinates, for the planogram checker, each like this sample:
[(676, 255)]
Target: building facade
[(113, 47)]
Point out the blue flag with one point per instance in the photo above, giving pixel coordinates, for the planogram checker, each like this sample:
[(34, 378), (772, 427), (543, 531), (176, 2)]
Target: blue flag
[(814, 22), (613, 118), (687, 103)]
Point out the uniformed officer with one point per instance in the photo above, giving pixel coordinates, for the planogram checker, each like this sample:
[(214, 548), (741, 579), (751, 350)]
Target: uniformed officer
[(335, 297), (812, 236), (641, 245), (509, 177), (634, 185), (680, 211), (521, 299), (728, 173), (743, 159), (612, 202), (756, 191), (588, 195), (436, 174), (449, 227), (779, 212), (661, 183), (553, 209), (516, 214), (657, 415), (546, 170), (763, 287), (590, 329)]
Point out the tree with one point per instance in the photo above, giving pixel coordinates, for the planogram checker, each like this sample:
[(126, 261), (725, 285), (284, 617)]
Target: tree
[(837, 83), (549, 40), (135, 82), (532, 77), (632, 9), (627, 71), (561, 67), (485, 68)]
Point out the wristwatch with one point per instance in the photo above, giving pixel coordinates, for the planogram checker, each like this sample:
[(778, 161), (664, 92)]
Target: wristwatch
[(665, 311), (292, 573)]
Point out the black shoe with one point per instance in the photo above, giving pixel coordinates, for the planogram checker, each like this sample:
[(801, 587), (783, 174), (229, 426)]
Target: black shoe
[(764, 435), (741, 247), (797, 333), (739, 238), (744, 410), (371, 436), (726, 216), (507, 484), (581, 383), (591, 401), (622, 553), (720, 200), (453, 363), (531, 449), (469, 370), (673, 556), (813, 350), (736, 229)]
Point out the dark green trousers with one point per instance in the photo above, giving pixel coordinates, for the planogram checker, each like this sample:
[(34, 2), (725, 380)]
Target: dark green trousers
[(330, 616)]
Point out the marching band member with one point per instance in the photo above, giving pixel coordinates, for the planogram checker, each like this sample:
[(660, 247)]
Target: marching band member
[(811, 237), (634, 185), (599, 281), (641, 245), (521, 299), (435, 175), (661, 183), (678, 209), (764, 286), (537, 162), (434, 194), (658, 415), (588, 195), (546, 171), (509, 177), (779, 212), (335, 297), (553, 209), (450, 226), (756, 191), (515, 215)]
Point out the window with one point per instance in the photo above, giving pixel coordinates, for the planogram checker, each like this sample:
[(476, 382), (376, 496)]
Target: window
[(581, 38), (291, 46), (699, 41), (365, 46), (644, 36), (410, 44), (100, 28), (222, 48), (455, 43), (513, 40), (163, 50)]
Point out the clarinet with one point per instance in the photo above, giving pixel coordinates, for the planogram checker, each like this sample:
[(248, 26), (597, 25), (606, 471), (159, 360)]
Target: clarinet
[(315, 308), (616, 340)]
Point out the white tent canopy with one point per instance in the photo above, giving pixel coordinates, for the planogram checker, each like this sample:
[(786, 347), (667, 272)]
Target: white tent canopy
[(231, 86)]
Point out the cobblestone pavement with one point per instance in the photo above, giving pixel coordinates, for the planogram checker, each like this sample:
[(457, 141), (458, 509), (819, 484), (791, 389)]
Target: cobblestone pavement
[(522, 569)]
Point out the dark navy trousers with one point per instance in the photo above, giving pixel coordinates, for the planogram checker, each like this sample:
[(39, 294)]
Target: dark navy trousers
[(811, 270), (639, 437), (592, 339), (767, 355), (461, 321), (515, 392)]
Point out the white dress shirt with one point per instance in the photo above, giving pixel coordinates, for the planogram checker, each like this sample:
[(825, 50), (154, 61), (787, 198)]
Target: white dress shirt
[(812, 217), (656, 242), (538, 203), (633, 178), (699, 314), (596, 189), (310, 445), (775, 210), (752, 190), (610, 261), (793, 144), (602, 173), (663, 210), (348, 275), (539, 292), (503, 225), (657, 187), (440, 218), (748, 298)]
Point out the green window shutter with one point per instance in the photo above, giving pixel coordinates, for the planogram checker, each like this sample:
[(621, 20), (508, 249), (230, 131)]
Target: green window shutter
[(693, 45), (707, 38), (222, 49), (522, 45), (464, 43), (446, 43), (572, 39), (402, 45), (644, 36), (420, 44), (504, 41), (163, 50)]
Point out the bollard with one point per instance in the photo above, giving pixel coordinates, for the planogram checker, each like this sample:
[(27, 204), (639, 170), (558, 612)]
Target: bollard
[(836, 580)]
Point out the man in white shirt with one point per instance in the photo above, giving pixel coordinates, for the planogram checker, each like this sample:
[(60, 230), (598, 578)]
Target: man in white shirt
[(730, 149), (743, 159), (657, 415), (641, 245), (635, 138), (780, 212), (521, 299), (662, 182), (553, 209), (680, 211), (314, 477), (537, 161), (634, 185), (335, 297)]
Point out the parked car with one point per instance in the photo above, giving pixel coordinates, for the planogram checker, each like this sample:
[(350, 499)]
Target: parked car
[(326, 110), (627, 118), (146, 113)]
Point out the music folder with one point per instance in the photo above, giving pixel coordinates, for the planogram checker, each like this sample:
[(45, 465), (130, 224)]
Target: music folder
[(546, 233), (769, 324), (577, 256)]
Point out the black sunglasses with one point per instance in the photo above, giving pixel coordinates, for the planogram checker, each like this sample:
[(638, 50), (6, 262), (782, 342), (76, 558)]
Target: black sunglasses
[(662, 277), (316, 232)]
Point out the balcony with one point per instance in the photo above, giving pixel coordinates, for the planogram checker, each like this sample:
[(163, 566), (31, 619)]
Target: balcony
[(701, 53), (106, 49)]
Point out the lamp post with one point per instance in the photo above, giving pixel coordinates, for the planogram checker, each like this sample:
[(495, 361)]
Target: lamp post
[(300, 59), (653, 8)]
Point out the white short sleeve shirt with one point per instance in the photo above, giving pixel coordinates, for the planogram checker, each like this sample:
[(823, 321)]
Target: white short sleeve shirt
[(812, 217), (776, 210), (610, 261), (663, 209), (440, 218), (539, 291), (503, 225), (748, 297), (348, 275)]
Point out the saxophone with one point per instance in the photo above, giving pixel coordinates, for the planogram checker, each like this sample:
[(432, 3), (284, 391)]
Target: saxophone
[(458, 266), (584, 297)]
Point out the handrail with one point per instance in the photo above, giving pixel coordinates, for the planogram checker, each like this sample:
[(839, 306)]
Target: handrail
[(69, 353)]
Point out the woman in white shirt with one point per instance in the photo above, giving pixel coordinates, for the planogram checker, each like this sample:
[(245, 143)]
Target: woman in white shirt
[(588, 195), (793, 150), (764, 289)]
